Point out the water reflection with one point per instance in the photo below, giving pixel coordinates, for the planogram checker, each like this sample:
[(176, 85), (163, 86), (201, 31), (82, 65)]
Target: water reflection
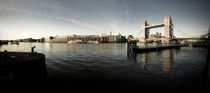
[(146, 61), (152, 60), (168, 60)]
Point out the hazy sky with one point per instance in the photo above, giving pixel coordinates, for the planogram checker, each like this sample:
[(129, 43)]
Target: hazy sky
[(38, 18)]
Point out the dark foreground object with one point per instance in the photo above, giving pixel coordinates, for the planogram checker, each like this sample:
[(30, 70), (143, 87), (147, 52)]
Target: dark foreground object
[(21, 69)]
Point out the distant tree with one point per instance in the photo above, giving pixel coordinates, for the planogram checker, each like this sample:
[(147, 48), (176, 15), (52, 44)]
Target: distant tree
[(130, 37), (51, 37), (42, 39)]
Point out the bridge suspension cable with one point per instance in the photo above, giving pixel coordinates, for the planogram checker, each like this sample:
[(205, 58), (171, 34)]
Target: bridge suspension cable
[(179, 32), (182, 33), (139, 34)]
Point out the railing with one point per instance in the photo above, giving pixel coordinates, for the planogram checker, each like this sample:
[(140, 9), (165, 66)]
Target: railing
[(147, 45)]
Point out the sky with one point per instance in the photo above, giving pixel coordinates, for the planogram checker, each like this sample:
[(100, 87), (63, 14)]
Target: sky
[(44, 18)]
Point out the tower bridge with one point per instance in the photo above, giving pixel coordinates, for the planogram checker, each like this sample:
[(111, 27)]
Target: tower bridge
[(149, 43), (168, 27)]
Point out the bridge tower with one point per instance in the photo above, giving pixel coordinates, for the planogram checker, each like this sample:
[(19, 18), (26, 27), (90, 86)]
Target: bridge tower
[(168, 24), (145, 31)]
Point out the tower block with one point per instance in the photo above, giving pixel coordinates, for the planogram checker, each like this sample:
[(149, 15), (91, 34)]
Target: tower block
[(168, 22), (145, 32), (169, 30)]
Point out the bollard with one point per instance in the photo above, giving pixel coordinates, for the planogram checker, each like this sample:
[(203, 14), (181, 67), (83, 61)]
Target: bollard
[(32, 49), (5, 51), (5, 55)]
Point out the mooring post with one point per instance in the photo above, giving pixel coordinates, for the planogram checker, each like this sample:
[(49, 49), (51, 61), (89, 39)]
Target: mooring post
[(5, 55), (32, 49), (135, 47), (128, 48)]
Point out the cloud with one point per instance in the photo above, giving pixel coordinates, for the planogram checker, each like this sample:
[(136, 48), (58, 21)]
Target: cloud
[(72, 20), (84, 24)]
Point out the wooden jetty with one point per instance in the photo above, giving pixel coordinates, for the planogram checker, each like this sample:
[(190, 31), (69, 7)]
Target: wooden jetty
[(157, 48), (204, 45), (132, 46)]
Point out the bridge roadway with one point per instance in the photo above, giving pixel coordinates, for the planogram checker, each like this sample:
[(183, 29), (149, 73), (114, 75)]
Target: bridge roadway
[(155, 25)]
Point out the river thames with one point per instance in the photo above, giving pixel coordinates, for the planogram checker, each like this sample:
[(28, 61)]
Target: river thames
[(108, 65)]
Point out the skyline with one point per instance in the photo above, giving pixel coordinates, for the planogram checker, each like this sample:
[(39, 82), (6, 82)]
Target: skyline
[(44, 18)]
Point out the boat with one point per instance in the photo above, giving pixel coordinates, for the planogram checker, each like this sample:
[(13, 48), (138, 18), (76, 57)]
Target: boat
[(71, 42), (93, 42), (76, 41)]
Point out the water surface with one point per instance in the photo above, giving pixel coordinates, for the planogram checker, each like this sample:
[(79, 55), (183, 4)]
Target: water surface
[(109, 64)]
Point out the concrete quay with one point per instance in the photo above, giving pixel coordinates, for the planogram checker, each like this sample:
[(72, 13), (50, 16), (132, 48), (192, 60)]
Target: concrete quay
[(22, 68)]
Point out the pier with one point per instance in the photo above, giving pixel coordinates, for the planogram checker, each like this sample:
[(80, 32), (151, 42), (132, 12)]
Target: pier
[(157, 48), (134, 47)]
